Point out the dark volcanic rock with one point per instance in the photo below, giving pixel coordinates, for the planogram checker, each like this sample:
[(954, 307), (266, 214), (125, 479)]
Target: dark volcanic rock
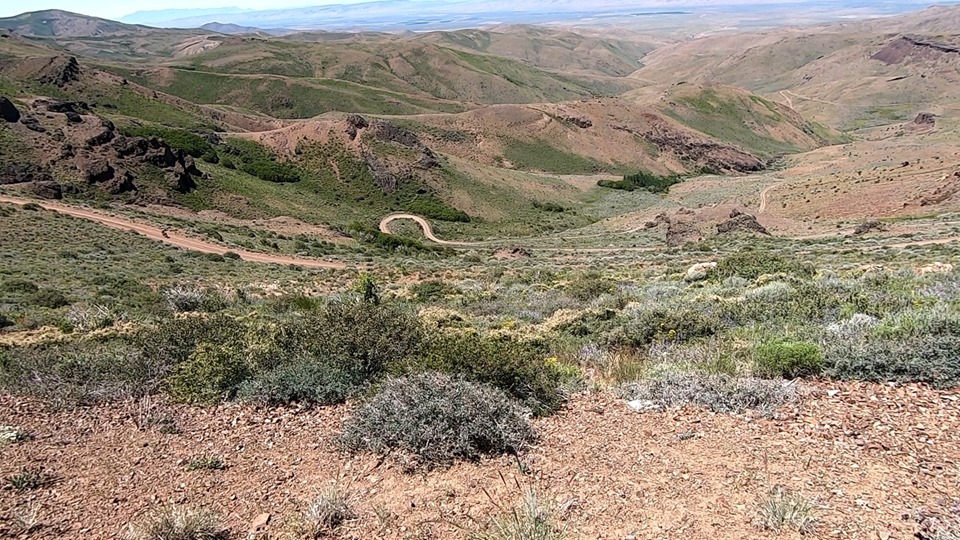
[(925, 119), (869, 226), (428, 160), (47, 190), (741, 222), (101, 138), (98, 171), (9, 111), (32, 124), (73, 117), (65, 106), (580, 121), (387, 132), (18, 173), (60, 71), (121, 184)]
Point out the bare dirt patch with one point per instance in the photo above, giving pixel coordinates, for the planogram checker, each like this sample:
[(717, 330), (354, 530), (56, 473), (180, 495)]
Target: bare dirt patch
[(867, 454)]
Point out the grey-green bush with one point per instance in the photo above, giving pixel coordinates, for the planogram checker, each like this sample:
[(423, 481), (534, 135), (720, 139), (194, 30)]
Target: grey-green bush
[(437, 419)]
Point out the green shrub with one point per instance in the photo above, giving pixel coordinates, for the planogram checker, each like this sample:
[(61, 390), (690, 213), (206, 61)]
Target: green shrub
[(931, 359), (519, 369), (642, 180), (365, 337), (48, 298), (272, 171), (212, 373), (18, 286), (589, 286), (307, 381), (436, 419), (191, 143), (432, 290), (755, 263), (82, 373), (433, 208), (676, 325), (788, 359)]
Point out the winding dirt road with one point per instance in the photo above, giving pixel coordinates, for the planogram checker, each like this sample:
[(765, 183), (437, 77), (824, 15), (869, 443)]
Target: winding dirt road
[(171, 237), (763, 199), (424, 224)]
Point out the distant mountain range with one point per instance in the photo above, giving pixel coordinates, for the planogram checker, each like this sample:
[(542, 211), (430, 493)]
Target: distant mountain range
[(446, 14)]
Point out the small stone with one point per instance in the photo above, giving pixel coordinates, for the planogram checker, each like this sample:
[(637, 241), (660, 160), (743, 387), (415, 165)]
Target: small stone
[(259, 522)]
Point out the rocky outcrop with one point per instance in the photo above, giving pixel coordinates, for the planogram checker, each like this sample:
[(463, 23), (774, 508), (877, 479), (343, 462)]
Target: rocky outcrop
[(925, 119), (59, 71), (703, 153), (19, 173), (8, 111), (355, 123), (946, 191), (511, 252), (47, 190), (869, 226), (581, 122), (906, 48), (740, 222)]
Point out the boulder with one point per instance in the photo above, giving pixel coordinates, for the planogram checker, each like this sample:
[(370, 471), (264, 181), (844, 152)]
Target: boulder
[(32, 124), (741, 222), (98, 170), (869, 226), (925, 119), (9, 111), (47, 190), (699, 272), (73, 117), (19, 173)]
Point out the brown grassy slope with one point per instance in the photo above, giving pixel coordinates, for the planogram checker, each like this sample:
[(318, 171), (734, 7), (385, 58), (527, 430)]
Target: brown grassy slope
[(552, 49), (826, 72)]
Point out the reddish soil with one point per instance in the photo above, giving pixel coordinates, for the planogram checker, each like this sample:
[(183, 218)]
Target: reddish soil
[(870, 454), (171, 236)]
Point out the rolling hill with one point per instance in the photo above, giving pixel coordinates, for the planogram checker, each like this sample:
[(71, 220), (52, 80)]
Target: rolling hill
[(848, 75)]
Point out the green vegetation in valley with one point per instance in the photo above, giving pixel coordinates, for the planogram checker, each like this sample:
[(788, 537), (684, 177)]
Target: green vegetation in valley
[(642, 180)]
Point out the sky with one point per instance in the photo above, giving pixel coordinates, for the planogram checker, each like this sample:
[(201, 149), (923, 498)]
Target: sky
[(114, 9)]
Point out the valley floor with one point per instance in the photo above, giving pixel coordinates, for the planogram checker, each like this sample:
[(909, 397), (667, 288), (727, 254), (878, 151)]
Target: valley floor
[(870, 456)]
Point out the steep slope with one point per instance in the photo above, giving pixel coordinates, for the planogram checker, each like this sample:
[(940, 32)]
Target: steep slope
[(758, 125)]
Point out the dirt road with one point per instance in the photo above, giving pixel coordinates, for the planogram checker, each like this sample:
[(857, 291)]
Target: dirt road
[(424, 224), (171, 237), (763, 199)]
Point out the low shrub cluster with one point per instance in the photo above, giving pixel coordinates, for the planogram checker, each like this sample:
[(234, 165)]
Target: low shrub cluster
[(191, 143), (787, 359), (752, 264), (642, 180), (519, 369), (719, 393), (434, 419), (433, 208)]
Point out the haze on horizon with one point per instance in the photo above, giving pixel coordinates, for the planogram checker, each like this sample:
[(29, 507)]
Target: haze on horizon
[(118, 9)]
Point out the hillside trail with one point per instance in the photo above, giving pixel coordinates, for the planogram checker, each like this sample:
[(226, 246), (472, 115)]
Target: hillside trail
[(425, 225), (170, 236), (178, 239)]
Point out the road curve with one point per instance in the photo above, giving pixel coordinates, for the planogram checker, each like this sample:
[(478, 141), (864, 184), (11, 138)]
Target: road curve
[(763, 199), (424, 224), (170, 236)]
